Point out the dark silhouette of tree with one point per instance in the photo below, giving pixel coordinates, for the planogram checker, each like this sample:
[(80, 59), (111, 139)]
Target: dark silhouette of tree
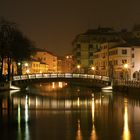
[(22, 49), (6, 29), (14, 46)]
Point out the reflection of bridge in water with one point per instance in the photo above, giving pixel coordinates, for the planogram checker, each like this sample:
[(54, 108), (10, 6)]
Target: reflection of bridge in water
[(78, 79), (56, 99)]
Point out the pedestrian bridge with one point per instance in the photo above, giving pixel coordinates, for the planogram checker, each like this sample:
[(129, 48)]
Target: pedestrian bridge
[(73, 78), (58, 75)]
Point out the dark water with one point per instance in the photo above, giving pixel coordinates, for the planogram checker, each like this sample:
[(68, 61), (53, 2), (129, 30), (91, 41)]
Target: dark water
[(57, 111)]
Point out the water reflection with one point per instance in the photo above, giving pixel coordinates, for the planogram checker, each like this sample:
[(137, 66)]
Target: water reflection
[(93, 132), (78, 102), (19, 121), (58, 111), (79, 134), (26, 109), (20, 134), (27, 132), (126, 131)]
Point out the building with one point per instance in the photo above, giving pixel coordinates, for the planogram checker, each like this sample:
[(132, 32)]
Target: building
[(136, 31), (68, 64), (117, 61), (60, 65), (48, 58), (86, 44), (65, 64), (101, 61), (33, 67)]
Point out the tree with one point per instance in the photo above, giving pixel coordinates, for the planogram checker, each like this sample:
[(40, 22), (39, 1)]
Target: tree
[(6, 29), (14, 46), (22, 48)]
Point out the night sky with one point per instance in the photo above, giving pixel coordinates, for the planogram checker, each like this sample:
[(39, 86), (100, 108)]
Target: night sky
[(53, 24)]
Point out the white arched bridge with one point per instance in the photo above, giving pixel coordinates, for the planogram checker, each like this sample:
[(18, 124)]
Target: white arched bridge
[(59, 75), (72, 78)]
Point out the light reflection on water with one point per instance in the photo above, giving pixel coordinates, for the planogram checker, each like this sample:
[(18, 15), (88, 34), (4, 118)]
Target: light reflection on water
[(57, 111), (126, 131), (79, 134), (93, 132)]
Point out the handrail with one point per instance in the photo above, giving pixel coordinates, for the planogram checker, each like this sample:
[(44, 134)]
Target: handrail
[(127, 83), (59, 75)]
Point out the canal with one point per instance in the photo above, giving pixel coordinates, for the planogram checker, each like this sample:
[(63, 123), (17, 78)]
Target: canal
[(58, 111)]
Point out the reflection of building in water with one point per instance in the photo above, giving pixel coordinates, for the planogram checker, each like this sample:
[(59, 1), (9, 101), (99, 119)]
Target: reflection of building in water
[(50, 99)]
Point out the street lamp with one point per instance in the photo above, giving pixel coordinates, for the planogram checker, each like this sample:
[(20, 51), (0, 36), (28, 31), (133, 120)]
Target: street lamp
[(26, 66), (125, 71), (125, 66), (78, 67), (27, 71), (93, 69)]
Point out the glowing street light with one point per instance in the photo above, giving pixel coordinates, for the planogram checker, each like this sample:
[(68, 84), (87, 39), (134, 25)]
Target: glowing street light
[(19, 63), (27, 71), (26, 64), (126, 66), (78, 67), (93, 68)]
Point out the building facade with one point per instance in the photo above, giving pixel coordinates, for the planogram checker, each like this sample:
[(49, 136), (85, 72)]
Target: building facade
[(65, 64), (118, 61), (48, 58), (33, 67), (86, 44)]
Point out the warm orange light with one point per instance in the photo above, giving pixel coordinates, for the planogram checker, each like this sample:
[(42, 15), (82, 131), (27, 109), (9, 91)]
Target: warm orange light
[(26, 64), (93, 68), (125, 66), (27, 71), (78, 66)]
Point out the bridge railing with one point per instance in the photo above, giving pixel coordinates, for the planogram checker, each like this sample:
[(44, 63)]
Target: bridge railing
[(128, 83), (59, 75)]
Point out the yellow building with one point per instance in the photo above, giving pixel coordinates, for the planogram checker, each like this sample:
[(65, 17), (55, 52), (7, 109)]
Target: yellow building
[(101, 58), (33, 66), (48, 58)]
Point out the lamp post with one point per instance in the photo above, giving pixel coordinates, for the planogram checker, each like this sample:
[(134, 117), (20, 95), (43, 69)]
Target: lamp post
[(93, 69), (78, 67), (125, 66), (26, 66)]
